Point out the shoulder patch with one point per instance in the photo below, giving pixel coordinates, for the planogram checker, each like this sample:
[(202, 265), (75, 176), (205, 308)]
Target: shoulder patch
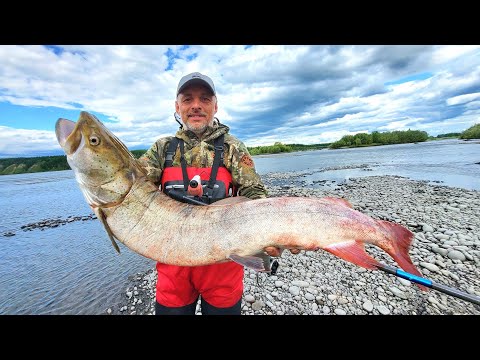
[(246, 160)]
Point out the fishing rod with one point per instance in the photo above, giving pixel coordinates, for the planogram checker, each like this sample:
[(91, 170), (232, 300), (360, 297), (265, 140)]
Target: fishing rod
[(429, 283)]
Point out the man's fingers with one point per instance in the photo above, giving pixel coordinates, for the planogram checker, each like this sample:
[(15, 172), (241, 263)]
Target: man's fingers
[(276, 252), (273, 251)]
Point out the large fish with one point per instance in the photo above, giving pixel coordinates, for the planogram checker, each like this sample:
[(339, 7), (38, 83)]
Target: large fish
[(136, 213)]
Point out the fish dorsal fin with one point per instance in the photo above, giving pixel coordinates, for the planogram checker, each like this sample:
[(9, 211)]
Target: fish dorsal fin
[(101, 216), (338, 201), (258, 262), (231, 200)]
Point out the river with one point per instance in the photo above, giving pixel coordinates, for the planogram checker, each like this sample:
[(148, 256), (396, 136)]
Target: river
[(73, 268)]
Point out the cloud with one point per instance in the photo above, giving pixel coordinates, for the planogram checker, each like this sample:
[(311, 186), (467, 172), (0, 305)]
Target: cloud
[(21, 142), (463, 99), (271, 93)]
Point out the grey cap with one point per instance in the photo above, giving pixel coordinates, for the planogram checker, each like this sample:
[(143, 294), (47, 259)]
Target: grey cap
[(195, 78)]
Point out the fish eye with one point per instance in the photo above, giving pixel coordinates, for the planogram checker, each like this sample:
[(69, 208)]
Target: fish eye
[(94, 140)]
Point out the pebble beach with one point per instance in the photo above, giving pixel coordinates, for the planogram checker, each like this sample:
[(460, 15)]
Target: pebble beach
[(446, 250)]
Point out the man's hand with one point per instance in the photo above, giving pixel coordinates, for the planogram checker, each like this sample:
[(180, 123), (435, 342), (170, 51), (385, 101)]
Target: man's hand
[(276, 252)]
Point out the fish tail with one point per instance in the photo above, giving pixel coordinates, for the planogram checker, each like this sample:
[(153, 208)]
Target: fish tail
[(397, 246)]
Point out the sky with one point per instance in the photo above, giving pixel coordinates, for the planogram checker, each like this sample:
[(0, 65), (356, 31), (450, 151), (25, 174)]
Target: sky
[(302, 94)]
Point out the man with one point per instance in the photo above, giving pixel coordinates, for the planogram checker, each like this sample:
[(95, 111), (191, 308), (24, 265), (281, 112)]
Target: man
[(200, 141)]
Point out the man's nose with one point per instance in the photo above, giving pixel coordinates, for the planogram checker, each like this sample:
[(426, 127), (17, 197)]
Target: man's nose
[(196, 104)]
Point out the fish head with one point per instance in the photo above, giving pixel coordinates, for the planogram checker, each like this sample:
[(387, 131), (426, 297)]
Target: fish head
[(104, 168)]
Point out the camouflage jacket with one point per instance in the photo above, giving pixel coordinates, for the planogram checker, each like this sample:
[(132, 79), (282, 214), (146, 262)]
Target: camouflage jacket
[(198, 153)]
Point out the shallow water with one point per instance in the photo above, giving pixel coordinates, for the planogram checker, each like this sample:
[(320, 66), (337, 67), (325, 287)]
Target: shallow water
[(448, 162), (69, 269)]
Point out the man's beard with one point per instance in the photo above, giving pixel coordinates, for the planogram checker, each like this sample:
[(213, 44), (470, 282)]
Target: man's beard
[(198, 129)]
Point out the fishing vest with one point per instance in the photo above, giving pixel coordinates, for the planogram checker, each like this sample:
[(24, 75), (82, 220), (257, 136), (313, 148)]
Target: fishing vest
[(216, 181)]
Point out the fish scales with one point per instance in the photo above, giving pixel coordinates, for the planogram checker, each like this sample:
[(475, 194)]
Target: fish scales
[(172, 232)]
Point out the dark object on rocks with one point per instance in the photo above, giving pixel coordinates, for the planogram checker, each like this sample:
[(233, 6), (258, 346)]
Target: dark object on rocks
[(52, 223), (273, 266), (9, 233)]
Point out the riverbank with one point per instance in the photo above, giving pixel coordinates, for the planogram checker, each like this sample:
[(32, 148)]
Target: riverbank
[(446, 249)]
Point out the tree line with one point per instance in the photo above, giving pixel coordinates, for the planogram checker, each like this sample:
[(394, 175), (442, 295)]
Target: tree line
[(400, 137), (41, 164), (279, 147), (471, 133), (377, 138)]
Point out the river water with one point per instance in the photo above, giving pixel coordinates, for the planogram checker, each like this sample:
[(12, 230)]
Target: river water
[(73, 268), (446, 162)]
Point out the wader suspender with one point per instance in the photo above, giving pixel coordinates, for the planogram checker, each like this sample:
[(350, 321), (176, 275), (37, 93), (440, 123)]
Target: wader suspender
[(183, 162), (217, 161), (172, 147)]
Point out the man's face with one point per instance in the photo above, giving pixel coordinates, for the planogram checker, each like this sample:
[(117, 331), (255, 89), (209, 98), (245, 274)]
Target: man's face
[(197, 106)]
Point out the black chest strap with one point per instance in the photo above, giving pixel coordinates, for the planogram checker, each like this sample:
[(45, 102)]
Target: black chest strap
[(183, 162), (172, 148), (217, 161)]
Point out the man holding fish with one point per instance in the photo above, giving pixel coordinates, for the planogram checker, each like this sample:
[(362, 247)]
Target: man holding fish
[(202, 149)]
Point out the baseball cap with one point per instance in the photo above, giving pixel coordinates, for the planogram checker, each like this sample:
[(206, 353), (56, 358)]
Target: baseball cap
[(195, 78)]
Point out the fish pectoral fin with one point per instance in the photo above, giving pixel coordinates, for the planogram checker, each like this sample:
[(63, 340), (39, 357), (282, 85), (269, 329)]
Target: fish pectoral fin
[(103, 220), (258, 262), (354, 252)]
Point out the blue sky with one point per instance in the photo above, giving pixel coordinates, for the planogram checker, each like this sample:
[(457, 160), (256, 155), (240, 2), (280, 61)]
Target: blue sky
[(292, 94)]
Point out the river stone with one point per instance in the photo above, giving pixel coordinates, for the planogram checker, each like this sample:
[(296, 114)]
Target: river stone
[(368, 306), (294, 290), (340, 312), (404, 282), (342, 300), (257, 305), (383, 310), (397, 292), (300, 283), (450, 242), (430, 266), (456, 255), (427, 228), (439, 250), (442, 237)]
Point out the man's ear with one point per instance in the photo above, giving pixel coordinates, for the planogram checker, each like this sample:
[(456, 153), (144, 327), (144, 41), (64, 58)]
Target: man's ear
[(177, 108)]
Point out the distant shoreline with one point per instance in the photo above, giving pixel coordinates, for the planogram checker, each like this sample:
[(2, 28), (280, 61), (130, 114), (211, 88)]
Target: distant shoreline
[(26, 165)]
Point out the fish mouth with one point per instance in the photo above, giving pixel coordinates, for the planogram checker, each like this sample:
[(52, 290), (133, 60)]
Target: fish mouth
[(68, 135), (63, 128)]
